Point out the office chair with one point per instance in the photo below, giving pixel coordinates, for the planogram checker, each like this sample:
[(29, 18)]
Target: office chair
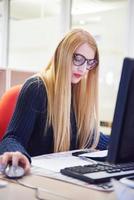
[(7, 106)]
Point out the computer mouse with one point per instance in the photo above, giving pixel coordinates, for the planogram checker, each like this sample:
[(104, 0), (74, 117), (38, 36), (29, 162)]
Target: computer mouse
[(14, 171)]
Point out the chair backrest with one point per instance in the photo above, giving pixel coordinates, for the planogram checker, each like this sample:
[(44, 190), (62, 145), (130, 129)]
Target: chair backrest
[(7, 106)]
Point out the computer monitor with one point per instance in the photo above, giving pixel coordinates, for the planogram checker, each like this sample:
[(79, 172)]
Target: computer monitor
[(121, 147)]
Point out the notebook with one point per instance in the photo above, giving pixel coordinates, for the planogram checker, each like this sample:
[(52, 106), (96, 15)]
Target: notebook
[(120, 159)]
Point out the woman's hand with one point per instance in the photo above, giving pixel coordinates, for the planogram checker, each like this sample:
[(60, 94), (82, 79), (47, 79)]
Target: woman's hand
[(16, 158)]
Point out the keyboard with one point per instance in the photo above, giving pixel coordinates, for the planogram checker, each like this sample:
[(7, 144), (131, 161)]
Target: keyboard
[(100, 172)]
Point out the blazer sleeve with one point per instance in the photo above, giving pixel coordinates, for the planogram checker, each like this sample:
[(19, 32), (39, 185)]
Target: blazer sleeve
[(30, 102), (103, 142)]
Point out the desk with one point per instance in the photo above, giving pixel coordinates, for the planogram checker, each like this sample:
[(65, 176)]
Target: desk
[(50, 189)]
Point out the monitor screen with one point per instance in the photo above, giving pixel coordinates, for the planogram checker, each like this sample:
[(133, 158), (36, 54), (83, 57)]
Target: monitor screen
[(121, 147)]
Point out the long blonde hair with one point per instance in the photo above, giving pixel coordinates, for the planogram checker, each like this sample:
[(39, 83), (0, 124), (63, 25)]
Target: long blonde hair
[(57, 79)]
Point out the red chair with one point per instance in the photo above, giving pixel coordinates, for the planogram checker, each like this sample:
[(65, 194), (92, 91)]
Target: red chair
[(7, 106)]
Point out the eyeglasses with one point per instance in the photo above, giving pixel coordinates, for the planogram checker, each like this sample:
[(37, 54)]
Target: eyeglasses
[(79, 60)]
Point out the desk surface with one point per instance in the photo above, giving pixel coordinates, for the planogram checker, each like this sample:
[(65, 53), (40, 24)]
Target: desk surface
[(50, 189)]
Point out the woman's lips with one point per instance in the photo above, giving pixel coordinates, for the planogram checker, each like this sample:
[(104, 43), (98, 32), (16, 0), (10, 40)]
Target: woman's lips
[(77, 75)]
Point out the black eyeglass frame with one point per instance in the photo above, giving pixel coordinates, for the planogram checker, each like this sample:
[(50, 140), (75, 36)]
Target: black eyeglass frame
[(91, 63)]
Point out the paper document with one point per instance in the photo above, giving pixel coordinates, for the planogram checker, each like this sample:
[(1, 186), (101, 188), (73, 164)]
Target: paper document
[(57, 161), (95, 154)]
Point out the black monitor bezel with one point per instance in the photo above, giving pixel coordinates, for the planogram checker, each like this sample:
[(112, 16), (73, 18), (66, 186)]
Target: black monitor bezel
[(119, 113)]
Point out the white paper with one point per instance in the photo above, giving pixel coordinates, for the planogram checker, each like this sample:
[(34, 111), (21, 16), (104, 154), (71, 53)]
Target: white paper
[(95, 154), (3, 183), (58, 161)]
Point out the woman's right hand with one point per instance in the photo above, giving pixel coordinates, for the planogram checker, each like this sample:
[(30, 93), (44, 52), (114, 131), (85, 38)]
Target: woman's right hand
[(16, 158)]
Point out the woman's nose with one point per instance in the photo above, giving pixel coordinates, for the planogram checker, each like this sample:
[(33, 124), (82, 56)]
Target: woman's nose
[(83, 67)]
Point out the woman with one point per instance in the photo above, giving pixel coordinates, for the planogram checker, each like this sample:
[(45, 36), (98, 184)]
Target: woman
[(57, 110)]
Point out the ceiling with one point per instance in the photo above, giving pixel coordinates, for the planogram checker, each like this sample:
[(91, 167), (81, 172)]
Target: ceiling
[(23, 9)]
